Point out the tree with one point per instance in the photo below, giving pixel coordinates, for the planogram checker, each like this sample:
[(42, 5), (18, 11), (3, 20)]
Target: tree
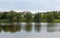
[(28, 17), (19, 17), (11, 15), (55, 14), (37, 17), (50, 18), (4, 15), (43, 15), (1, 15), (58, 14)]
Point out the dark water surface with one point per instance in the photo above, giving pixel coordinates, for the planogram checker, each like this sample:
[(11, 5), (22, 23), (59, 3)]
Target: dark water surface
[(30, 30)]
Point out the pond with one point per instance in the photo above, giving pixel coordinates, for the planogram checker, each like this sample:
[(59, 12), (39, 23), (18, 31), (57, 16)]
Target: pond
[(30, 30)]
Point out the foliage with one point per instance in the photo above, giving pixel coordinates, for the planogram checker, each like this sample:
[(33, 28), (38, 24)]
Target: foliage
[(50, 18), (28, 17), (37, 17), (12, 16), (19, 17)]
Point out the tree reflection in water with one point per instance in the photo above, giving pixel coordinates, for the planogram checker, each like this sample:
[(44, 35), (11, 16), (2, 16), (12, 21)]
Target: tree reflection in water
[(51, 27), (37, 27), (28, 27), (0, 28), (11, 28)]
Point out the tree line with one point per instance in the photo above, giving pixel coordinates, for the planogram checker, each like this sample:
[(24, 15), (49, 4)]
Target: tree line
[(13, 16)]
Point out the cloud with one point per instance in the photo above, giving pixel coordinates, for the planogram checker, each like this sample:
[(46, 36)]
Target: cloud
[(35, 5)]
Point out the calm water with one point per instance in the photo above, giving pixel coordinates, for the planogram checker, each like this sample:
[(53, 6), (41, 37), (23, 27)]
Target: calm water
[(30, 30)]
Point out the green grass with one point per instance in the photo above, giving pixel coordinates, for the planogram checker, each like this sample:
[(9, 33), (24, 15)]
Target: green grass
[(43, 20), (3, 21), (57, 20), (7, 21)]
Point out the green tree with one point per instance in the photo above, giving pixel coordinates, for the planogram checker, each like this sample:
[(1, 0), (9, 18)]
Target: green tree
[(58, 14), (50, 18), (28, 17), (4, 15), (55, 14), (44, 15), (11, 15), (19, 17), (37, 17), (1, 15)]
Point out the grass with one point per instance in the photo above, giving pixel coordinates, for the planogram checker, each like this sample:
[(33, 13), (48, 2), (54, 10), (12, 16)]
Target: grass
[(57, 20), (6, 21), (3, 20), (43, 20)]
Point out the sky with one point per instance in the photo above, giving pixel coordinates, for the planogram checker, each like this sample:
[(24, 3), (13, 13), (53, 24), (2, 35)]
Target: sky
[(30, 5)]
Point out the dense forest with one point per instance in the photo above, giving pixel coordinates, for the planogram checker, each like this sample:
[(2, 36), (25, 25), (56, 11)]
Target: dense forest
[(27, 16)]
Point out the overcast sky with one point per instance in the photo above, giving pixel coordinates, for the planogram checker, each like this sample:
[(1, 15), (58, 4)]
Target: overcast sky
[(30, 5)]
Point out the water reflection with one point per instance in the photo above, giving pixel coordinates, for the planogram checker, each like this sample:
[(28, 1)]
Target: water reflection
[(0, 28), (58, 27), (30, 30), (28, 27), (37, 27), (51, 27), (11, 28)]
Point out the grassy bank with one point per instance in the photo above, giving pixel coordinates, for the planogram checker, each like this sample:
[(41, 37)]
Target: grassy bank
[(57, 20), (4, 20), (7, 21)]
